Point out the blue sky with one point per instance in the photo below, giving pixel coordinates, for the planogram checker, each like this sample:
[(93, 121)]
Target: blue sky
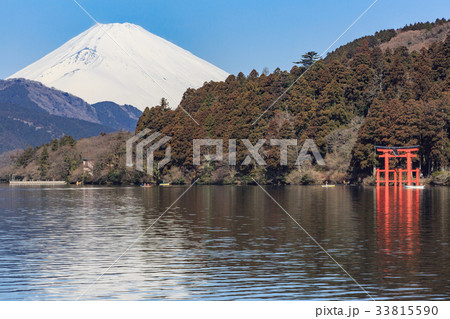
[(234, 35)]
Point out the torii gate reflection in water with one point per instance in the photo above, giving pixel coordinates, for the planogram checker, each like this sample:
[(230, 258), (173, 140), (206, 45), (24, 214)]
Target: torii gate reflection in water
[(398, 211), (401, 152), (398, 224)]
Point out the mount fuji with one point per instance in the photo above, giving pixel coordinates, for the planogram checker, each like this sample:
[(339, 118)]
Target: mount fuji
[(122, 63)]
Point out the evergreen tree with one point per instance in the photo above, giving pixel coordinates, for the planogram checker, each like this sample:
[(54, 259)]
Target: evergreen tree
[(43, 162), (308, 59)]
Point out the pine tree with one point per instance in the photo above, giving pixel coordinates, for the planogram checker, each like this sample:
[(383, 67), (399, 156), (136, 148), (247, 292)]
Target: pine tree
[(308, 59)]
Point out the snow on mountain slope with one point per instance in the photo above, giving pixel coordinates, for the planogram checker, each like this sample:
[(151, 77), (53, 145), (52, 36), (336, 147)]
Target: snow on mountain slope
[(122, 63)]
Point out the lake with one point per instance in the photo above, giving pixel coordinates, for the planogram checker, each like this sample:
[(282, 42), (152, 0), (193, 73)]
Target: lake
[(223, 243)]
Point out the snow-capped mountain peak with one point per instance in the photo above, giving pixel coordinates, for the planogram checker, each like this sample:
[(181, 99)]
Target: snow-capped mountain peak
[(123, 63)]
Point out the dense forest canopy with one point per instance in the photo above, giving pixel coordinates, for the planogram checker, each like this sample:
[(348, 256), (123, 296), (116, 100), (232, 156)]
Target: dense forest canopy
[(403, 97)]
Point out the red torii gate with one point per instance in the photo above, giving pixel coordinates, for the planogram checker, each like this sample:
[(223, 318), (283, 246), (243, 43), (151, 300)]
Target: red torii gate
[(387, 153)]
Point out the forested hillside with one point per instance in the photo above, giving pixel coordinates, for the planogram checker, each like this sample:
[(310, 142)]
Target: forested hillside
[(402, 95), (98, 160)]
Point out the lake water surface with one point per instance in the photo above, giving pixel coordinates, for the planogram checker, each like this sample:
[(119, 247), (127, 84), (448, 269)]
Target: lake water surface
[(223, 243)]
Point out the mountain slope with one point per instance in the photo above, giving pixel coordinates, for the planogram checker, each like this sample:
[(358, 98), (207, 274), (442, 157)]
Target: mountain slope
[(117, 116), (417, 39), (54, 102), (27, 124), (32, 114), (413, 37), (122, 63)]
